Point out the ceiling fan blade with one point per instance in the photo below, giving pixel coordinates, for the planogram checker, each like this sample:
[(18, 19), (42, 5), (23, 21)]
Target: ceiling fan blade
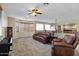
[(29, 10), (38, 12), (29, 13)]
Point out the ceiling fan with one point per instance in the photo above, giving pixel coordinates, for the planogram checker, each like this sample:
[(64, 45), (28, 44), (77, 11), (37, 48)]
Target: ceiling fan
[(34, 12)]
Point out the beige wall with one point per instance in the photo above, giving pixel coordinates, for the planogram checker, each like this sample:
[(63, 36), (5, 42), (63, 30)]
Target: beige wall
[(77, 26), (4, 22), (4, 19), (11, 23)]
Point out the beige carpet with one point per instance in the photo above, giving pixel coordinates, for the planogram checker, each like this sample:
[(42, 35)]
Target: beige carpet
[(29, 47)]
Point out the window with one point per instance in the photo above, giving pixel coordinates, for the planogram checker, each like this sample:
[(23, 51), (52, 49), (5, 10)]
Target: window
[(39, 27), (53, 28), (21, 27), (26, 27), (31, 27), (47, 27)]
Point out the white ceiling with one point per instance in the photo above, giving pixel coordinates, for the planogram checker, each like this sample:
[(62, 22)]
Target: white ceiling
[(60, 11)]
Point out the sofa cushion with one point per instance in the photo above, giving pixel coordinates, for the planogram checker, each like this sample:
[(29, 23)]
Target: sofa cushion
[(69, 39), (41, 38), (44, 36)]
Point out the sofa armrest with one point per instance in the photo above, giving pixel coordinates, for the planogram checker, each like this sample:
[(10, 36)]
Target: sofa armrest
[(57, 40)]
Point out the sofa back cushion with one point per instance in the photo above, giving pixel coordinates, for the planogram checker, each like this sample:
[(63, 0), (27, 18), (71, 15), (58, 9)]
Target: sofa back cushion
[(69, 39)]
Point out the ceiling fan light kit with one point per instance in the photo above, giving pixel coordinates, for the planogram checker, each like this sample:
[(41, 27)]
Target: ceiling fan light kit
[(34, 12)]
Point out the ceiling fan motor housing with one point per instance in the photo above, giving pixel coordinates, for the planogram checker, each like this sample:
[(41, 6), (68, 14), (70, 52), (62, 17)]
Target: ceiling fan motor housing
[(34, 10)]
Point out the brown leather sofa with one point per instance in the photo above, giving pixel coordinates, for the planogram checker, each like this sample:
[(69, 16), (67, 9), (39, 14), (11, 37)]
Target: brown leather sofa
[(65, 46), (41, 36)]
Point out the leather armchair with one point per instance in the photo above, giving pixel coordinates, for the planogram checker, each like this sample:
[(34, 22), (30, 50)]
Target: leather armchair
[(65, 46)]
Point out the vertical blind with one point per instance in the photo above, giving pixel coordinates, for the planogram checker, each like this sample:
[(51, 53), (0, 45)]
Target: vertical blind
[(40, 27), (47, 27)]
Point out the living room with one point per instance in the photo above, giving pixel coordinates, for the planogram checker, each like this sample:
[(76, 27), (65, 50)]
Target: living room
[(39, 29)]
